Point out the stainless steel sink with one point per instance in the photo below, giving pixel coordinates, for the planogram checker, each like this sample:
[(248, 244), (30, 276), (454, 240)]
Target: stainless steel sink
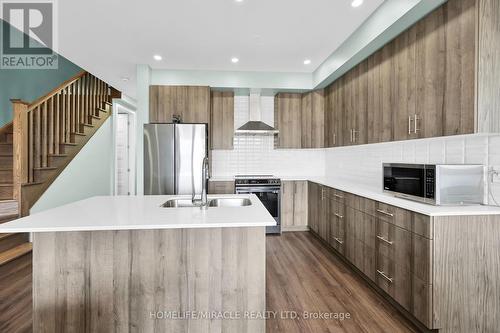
[(178, 203), (229, 202), (218, 202)]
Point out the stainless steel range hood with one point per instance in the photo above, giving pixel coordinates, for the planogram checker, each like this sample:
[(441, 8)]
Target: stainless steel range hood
[(255, 125)]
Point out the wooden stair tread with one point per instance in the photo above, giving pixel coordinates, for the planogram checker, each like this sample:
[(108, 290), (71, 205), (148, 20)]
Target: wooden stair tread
[(78, 133), (111, 104), (58, 155), (101, 109), (11, 216), (15, 252), (45, 168), (95, 117), (3, 236), (88, 125), (6, 184), (70, 144), (32, 183)]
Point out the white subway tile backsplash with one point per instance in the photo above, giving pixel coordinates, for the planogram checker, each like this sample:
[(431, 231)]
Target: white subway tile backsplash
[(363, 164)]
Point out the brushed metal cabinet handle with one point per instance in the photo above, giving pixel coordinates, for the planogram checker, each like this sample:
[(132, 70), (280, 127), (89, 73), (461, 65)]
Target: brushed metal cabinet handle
[(416, 129), (385, 213), (338, 240), (409, 124), (385, 240), (339, 216), (391, 280)]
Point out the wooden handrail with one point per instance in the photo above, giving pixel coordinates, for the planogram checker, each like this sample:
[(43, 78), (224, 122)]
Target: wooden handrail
[(56, 90)]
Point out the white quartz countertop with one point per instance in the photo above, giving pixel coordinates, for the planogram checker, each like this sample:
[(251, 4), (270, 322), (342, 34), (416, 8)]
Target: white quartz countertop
[(379, 195), (140, 212)]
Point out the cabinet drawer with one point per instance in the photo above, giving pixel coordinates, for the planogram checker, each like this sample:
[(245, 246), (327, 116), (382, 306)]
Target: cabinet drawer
[(422, 301), (422, 225), (337, 195), (422, 258), (394, 243), (394, 215), (394, 280)]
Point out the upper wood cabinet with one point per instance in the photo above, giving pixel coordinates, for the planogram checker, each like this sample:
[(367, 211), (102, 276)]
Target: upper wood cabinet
[(222, 120), (419, 85), (313, 119), (287, 119), (190, 103), (300, 119)]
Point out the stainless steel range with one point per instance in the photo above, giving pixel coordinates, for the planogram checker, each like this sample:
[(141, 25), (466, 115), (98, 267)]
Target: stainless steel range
[(268, 189)]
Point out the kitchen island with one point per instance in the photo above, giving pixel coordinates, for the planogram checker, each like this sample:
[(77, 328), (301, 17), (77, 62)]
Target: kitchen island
[(120, 264)]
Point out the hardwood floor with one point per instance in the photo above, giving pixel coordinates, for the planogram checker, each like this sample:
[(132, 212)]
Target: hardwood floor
[(303, 275)]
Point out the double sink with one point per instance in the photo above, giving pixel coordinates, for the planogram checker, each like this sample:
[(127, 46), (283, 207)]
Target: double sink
[(217, 202)]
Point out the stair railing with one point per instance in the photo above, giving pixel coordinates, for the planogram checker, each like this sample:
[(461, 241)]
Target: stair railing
[(41, 128)]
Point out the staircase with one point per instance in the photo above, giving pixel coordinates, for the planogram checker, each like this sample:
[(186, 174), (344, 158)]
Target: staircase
[(34, 149)]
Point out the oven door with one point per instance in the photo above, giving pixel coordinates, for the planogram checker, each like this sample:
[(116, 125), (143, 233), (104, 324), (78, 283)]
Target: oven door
[(270, 198)]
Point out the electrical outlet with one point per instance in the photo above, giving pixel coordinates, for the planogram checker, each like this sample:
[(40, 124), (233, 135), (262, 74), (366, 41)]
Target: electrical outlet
[(495, 174)]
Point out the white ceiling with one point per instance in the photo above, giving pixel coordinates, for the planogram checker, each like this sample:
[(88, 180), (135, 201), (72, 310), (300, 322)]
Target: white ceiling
[(109, 38)]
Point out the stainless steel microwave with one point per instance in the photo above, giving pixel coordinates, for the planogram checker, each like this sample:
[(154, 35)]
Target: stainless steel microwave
[(436, 184)]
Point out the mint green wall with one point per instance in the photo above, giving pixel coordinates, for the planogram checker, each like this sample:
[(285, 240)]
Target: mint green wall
[(89, 174), (29, 84)]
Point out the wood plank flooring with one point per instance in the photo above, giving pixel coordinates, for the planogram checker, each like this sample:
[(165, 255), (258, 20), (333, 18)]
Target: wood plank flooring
[(302, 275)]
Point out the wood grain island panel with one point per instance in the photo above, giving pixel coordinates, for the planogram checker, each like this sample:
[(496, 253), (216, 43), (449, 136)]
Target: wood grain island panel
[(147, 280)]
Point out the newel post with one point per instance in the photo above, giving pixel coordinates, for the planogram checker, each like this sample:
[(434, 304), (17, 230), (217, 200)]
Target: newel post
[(20, 146)]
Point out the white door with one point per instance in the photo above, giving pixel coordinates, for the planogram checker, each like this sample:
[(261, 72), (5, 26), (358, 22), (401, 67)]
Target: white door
[(123, 154)]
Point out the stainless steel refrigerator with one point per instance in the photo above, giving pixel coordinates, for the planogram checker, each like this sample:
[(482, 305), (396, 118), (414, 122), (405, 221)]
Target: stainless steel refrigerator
[(173, 158)]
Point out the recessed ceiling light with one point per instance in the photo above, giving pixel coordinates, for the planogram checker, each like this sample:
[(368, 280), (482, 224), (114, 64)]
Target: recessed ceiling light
[(238, 0), (356, 3), (307, 61), (157, 57), (125, 78), (234, 60)]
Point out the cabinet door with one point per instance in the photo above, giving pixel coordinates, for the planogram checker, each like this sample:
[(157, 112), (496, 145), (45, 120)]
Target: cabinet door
[(313, 119), (360, 100), (314, 200), (405, 90), (288, 120), (220, 187), (349, 114), (334, 128), (324, 221), (222, 120), (300, 204), (287, 203), (191, 103), (431, 76), (380, 76)]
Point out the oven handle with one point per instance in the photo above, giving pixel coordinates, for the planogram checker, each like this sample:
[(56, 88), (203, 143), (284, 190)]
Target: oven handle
[(257, 190)]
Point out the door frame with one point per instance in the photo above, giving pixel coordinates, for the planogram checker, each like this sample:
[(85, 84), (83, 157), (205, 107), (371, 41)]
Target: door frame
[(121, 106)]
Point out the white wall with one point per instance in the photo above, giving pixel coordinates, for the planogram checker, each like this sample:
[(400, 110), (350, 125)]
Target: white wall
[(89, 174), (255, 154), (363, 164)]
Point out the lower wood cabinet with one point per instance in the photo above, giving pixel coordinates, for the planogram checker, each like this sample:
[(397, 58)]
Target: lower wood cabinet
[(389, 245), (441, 269), (318, 203), (294, 202), (221, 187)]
